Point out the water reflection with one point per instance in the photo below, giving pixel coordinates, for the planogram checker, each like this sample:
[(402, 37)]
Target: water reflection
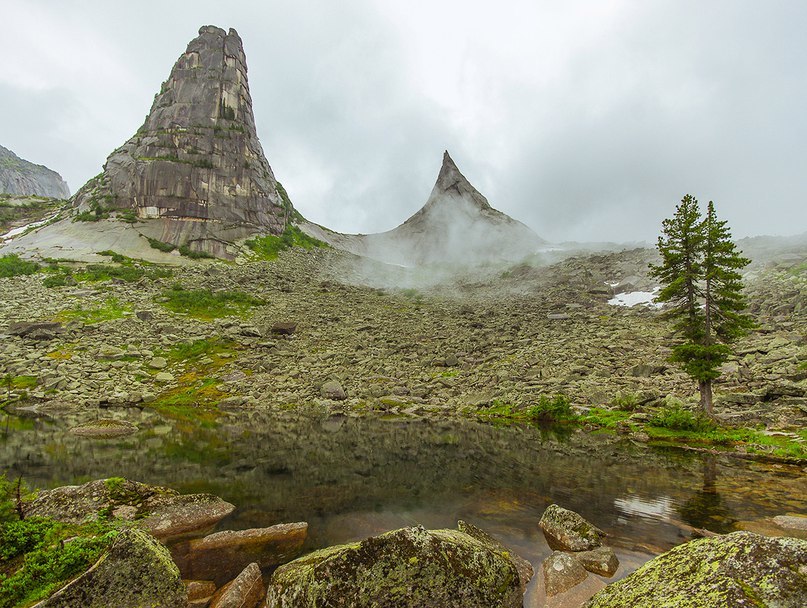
[(353, 477)]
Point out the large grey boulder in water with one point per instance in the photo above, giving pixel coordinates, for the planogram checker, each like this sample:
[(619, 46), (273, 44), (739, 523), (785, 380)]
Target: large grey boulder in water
[(24, 178), (456, 226), (196, 164)]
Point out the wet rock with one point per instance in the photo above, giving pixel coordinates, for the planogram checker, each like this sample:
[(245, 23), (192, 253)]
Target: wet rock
[(245, 591), (161, 511), (562, 572), (137, 571), (104, 428), (739, 569), (602, 561), (333, 390), (406, 568), (200, 591), (221, 556), (567, 531)]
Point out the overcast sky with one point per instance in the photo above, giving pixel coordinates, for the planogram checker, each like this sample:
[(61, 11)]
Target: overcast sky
[(585, 120)]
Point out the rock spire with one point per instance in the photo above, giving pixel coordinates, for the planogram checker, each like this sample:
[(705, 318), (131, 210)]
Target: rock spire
[(196, 164), (23, 178)]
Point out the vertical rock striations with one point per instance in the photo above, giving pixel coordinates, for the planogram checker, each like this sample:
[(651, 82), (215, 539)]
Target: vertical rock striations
[(23, 178), (196, 163)]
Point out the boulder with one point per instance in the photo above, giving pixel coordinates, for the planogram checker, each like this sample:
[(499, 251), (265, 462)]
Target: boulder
[(333, 390), (245, 591), (137, 571), (525, 570), (221, 556), (602, 561), (36, 330), (284, 328), (567, 531), (406, 568), (162, 512), (562, 571), (739, 569)]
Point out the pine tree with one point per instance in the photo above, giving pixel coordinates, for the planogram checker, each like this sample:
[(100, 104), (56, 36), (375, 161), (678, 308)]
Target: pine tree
[(700, 275)]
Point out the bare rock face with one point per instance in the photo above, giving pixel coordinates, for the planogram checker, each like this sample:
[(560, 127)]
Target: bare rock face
[(196, 164), (456, 226), (24, 178)]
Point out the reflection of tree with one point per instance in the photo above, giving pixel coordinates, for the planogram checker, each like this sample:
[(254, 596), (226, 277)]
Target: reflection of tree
[(706, 509)]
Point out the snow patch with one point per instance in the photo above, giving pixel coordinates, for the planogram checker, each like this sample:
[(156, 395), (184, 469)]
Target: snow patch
[(17, 231), (634, 298)]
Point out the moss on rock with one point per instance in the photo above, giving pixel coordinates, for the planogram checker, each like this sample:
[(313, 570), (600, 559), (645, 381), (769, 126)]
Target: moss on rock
[(410, 567), (739, 569)]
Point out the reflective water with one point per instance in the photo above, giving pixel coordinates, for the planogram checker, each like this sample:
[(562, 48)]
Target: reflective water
[(353, 477)]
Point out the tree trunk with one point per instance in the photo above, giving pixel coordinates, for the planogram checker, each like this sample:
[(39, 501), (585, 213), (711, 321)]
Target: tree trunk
[(705, 388)]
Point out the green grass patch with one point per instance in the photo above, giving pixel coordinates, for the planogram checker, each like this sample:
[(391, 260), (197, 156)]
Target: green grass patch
[(13, 265), (23, 382), (211, 348), (193, 401), (269, 247), (127, 270), (674, 417), (548, 410), (205, 304), (185, 250), (607, 419), (160, 245), (109, 310)]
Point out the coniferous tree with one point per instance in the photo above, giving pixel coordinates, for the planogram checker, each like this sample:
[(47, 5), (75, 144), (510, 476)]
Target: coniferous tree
[(700, 275)]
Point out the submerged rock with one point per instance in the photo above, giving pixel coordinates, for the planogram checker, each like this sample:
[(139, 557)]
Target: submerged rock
[(163, 512), (567, 531), (137, 571), (410, 567), (739, 569), (602, 561), (562, 571), (104, 428), (221, 556), (245, 591)]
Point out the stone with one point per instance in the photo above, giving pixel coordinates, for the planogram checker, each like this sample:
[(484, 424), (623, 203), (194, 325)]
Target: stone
[(738, 569), (221, 556), (557, 316), (18, 176), (198, 590), (406, 568), (144, 315), (104, 428), (35, 330), (111, 353), (562, 572), (158, 363), (567, 531), (136, 571), (284, 328), (602, 561), (164, 377), (333, 390), (791, 522), (245, 591), (163, 512)]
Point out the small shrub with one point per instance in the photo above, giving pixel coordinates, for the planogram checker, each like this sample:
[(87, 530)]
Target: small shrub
[(627, 402), (554, 409), (129, 216), (186, 251), (676, 418), (13, 265)]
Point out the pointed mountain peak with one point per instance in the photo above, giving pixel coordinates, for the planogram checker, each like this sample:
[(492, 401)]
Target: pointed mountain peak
[(452, 182)]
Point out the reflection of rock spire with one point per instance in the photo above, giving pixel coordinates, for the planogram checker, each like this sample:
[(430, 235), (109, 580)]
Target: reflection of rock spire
[(197, 156)]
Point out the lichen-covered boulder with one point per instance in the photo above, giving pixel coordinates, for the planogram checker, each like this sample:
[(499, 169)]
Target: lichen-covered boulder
[(406, 568), (739, 569), (567, 531), (562, 572), (136, 572), (163, 512)]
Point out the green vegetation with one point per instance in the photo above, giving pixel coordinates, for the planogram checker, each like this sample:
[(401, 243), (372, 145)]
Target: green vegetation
[(38, 555), (269, 247), (206, 304), (129, 270), (25, 209), (676, 418), (129, 216), (110, 309), (160, 245), (548, 410), (99, 209), (13, 266), (700, 275), (193, 352)]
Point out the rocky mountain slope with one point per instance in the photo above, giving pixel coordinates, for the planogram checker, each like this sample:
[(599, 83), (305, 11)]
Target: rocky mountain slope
[(456, 226), (24, 178), (193, 176)]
